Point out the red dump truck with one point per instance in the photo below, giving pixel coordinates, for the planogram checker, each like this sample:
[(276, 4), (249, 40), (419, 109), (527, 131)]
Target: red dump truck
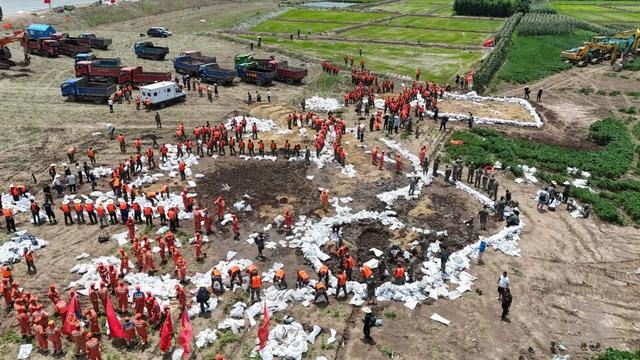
[(44, 46), (284, 72), (72, 46), (120, 75)]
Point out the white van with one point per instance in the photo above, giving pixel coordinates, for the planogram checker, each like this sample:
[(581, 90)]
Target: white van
[(162, 93)]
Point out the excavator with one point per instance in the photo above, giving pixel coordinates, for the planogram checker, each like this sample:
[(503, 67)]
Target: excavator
[(5, 54), (601, 47)]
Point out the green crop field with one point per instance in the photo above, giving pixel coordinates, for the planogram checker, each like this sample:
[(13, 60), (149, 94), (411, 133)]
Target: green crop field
[(534, 57), (291, 27), (421, 35), (598, 12), (437, 64), (331, 15), (417, 6), (448, 23)]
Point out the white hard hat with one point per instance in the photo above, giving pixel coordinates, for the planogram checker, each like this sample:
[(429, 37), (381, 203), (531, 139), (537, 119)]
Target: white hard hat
[(366, 310)]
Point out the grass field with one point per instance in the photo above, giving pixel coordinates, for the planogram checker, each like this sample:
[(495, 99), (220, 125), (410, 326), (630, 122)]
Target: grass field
[(448, 23), (331, 15), (534, 57), (421, 35), (437, 64), (598, 12), (417, 6), (291, 27)]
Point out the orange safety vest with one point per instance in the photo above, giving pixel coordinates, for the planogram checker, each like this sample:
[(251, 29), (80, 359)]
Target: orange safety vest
[(111, 208), (366, 271), (7, 213), (302, 275), (342, 279), (88, 207), (235, 269), (77, 207), (323, 270), (160, 209), (256, 282), (349, 263), (148, 211), (399, 273), (123, 205), (100, 211), (280, 274), (216, 272)]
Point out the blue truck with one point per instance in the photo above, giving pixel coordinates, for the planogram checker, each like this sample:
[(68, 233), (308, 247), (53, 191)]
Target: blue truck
[(189, 62), (81, 89), (147, 50), (98, 61), (212, 73)]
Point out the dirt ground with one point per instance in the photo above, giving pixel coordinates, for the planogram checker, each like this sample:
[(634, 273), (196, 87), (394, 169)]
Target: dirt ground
[(575, 282)]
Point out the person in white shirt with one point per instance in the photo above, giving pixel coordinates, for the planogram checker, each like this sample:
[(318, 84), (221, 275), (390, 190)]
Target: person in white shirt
[(503, 283)]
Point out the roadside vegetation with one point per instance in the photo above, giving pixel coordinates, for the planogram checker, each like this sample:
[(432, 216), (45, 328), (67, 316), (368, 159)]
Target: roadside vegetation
[(607, 164)]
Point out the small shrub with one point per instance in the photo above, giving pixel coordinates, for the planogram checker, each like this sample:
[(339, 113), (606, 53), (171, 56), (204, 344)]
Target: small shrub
[(390, 315), (586, 91), (614, 93)]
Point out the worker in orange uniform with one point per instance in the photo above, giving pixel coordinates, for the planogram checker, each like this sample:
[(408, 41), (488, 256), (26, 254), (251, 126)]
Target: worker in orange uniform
[(141, 328), (93, 296), (302, 279), (234, 275), (5, 290), (121, 141), (92, 317), (279, 279), (321, 292), (153, 309), (148, 262), (182, 167), (208, 222), (197, 218), (53, 335), (148, 215), (124, 262), (423, 154), (219, 207), (131, 226), (348, 264), (288, 220), (235, 226), (78, 339), (365, 272), (8, 218), (29, 259), (323, 274), (129, 331), (381, 161), (41, 337), (398, 275), (256, 284), (137, 143), (182, 296), (324, 199), (398, 163), (374, 155), (198, 246), (181, 269), (342, 284), (23, 321), (216, 277), (53, 294), (93, 347), (122, 295), (103, 294)]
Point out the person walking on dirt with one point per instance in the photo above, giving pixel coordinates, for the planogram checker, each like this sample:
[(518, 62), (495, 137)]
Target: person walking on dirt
[(483, 215), (506, 304), (110, 103), (470, 120), (369, 322), (539, 96), (248, 97), (481, 249), (527, 91), (443, 123), (158, 122), (503, 284), (444, 257), (28, 258)]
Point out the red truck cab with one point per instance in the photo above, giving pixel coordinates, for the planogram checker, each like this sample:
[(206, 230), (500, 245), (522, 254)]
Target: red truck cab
[(44, 46)]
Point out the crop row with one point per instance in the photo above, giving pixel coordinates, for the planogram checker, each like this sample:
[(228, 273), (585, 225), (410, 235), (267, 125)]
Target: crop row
[(551, 24), (491, 64)]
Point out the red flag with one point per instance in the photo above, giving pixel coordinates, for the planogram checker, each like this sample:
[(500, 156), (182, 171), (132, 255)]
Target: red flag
[(7, 26), (70, 319), (263, 330), (166, 333), (47, 1), (186, 334), (115, 326)]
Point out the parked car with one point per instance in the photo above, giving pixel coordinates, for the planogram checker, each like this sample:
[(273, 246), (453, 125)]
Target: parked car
[(157, 31)]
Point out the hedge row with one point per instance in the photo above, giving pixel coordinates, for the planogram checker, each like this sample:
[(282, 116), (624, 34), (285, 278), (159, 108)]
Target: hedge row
[(493, 8), (492, 63)]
